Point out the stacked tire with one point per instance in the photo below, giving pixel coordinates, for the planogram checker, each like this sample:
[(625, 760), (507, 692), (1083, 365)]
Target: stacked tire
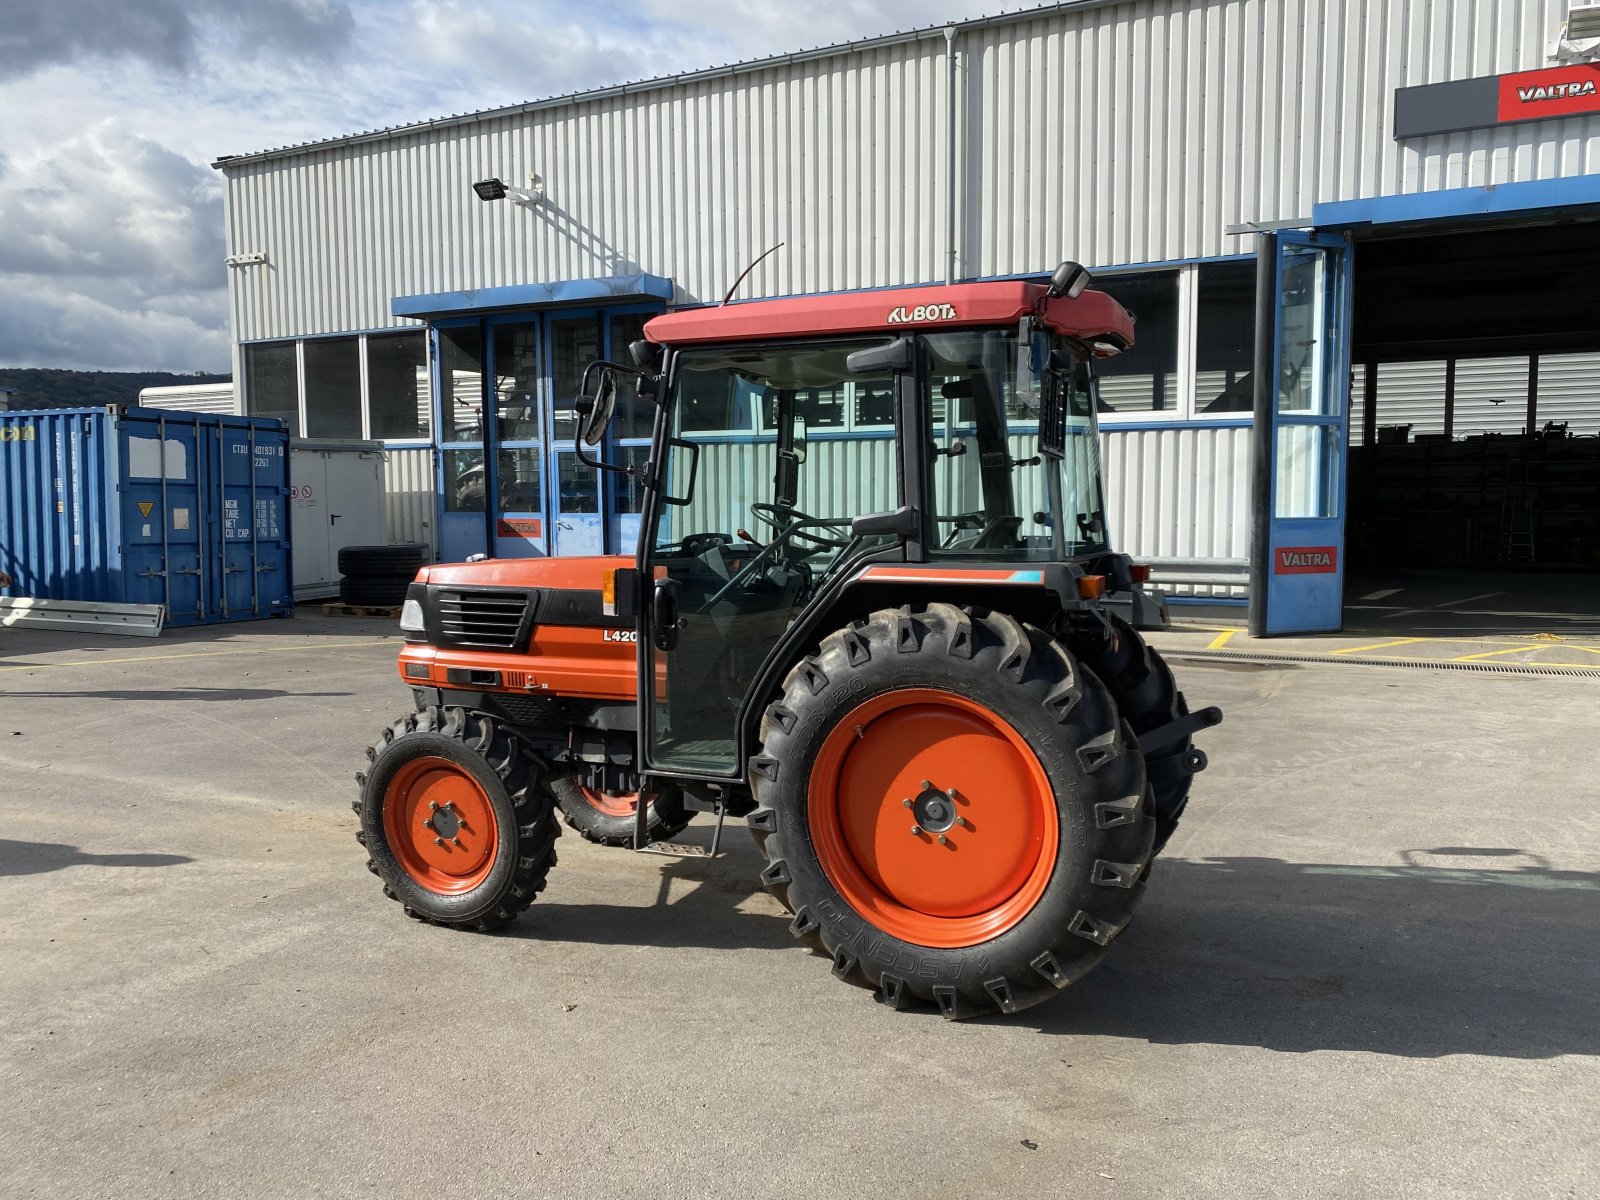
[(377, 576)]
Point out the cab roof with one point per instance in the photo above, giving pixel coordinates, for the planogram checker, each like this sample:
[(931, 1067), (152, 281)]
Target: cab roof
[(1093, 317)]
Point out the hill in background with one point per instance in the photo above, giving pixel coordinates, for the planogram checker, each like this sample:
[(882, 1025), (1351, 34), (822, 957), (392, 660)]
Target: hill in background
[(46, 388)]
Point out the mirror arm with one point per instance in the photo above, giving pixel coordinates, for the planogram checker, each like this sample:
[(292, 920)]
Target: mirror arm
[(596, 463)]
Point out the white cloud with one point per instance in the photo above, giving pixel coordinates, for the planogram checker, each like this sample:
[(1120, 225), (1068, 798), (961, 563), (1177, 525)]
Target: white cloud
[(110, 218)]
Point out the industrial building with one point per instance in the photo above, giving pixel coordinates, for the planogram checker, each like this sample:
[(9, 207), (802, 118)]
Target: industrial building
[(1360, 238)]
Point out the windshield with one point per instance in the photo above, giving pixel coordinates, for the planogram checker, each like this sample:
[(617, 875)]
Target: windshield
[(997, 489)]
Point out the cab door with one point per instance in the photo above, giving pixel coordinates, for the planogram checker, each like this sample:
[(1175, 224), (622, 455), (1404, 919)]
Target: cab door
[(1302, 431)]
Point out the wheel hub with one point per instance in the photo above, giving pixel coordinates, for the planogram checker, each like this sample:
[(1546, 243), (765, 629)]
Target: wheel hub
[(445, 822), (935, 810)]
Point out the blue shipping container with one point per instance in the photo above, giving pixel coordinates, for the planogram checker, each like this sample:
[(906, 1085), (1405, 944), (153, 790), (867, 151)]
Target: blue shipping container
[(145, 506)]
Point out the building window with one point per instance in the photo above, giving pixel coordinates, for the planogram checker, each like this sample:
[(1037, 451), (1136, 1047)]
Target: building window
[(1225, 338), (272, 383), (1145, 378), (333, 387), (635, 415), (398, 400), (1409, 399), (1491, 396), (461, 384)]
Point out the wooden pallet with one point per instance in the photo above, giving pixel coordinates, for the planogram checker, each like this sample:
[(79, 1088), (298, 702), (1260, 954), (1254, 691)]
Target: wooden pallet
[(335, 609)]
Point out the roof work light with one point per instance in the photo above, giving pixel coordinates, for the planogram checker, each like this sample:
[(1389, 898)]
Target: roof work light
[(1579, 39)]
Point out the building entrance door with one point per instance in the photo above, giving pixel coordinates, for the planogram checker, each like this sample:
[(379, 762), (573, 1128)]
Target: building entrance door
[(1301, 430)]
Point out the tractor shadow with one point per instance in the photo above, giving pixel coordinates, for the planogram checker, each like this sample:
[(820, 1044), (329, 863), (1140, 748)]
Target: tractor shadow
[(1418, 960), (40, 858), (698, 903)]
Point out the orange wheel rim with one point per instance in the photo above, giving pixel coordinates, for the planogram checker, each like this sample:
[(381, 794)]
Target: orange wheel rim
[(621, 804), (933, 818), (440, 824)]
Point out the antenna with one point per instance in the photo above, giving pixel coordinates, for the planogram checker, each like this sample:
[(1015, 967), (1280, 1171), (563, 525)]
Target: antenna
[(747, 271)]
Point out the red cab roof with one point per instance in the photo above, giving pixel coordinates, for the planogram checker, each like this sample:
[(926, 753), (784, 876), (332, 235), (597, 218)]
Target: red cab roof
[(1091, 317)]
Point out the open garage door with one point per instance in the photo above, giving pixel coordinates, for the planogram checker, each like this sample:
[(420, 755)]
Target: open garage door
[(1474, 470)]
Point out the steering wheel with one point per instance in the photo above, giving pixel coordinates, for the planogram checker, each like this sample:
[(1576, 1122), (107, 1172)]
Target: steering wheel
[(774, 516)]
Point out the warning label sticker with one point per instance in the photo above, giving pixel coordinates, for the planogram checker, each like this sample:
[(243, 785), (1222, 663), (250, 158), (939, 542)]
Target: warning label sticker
[(146, 507)]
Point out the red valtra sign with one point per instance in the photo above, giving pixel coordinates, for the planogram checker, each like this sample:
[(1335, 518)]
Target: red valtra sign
[(1306, 560), (1558, 92)]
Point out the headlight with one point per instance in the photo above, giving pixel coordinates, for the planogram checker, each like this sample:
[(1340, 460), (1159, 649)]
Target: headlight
[(411, 621)]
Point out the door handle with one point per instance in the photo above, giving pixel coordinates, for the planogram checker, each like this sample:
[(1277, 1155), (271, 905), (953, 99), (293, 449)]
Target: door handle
[(664, 614)]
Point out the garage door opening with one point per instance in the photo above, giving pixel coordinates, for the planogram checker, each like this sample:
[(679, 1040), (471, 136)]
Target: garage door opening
[(1474, 468)]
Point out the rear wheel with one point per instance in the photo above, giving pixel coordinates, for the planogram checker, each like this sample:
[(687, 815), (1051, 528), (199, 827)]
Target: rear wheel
[(1144, 688), (454, 819), (609, 818), (952, 809)]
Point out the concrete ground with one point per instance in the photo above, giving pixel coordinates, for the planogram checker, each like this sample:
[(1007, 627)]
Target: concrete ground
[(1365, 967), (1503, 619)]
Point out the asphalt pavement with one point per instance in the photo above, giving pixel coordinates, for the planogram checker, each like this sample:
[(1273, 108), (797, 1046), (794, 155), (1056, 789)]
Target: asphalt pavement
[(1365, 967)]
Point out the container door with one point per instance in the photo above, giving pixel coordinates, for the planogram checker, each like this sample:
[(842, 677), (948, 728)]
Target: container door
[(164, 560), (518, 487), (253, 548), (1302, 415), (463, 439), (575, 342)]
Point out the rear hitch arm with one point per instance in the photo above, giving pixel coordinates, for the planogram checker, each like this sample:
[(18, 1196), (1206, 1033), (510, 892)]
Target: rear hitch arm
[(1175, 731)]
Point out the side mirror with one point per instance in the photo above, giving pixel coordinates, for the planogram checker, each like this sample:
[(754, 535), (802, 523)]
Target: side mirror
[(597, 410)]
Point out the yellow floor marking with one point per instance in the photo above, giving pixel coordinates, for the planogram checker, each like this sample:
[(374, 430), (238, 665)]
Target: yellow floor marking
[(106, 662), (1585, 649), (1221, 640), (1382, 645), (1493, 653)]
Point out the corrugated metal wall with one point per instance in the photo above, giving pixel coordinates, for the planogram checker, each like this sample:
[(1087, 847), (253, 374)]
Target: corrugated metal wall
[(412, 496), (1180, 493), (1117, 134)]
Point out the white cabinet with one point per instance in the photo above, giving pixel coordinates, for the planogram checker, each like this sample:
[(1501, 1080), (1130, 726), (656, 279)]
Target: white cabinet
[(335, 500)]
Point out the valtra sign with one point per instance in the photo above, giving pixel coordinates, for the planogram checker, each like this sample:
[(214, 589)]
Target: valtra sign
[(1305, 560), (1492, 100)]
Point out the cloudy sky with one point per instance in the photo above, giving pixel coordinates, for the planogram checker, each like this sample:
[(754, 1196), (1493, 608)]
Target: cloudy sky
[(112, 110)]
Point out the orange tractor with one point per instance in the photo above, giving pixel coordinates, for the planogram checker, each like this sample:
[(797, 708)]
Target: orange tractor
[(873, 611)]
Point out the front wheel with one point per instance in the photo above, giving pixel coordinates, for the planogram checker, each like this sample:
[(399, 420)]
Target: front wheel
[(454, 819), (952, 808)]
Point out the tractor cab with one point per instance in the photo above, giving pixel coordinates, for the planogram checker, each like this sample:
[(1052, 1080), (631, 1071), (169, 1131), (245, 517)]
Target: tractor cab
[(943, 437)]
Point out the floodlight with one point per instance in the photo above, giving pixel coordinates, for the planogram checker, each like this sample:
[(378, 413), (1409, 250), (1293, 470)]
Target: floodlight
[(497, 189), (1583, 22), (1579, 39)]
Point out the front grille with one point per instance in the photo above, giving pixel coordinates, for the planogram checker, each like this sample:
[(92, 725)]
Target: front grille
[(481, 620)]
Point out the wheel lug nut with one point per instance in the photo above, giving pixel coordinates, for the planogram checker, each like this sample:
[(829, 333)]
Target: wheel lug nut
[(916, 830), (906, 803), (961, 820), (943, 841), (926, 785), (438, 841), (433, 804), (951, 792), (455, 841)]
